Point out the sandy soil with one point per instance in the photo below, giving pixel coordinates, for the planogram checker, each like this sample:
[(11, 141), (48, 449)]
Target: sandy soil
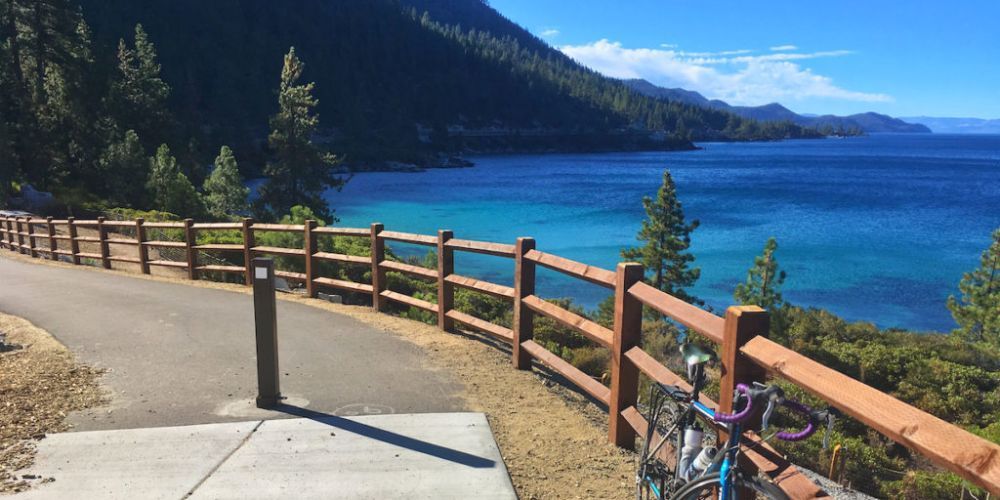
[(553, 440), (40, 383)]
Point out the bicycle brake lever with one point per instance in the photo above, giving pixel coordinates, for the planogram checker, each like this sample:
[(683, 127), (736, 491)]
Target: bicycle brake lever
[(830, 415), (766, 417)]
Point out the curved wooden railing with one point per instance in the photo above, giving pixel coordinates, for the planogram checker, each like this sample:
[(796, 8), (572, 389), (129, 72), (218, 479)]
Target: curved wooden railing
[(746, 353)]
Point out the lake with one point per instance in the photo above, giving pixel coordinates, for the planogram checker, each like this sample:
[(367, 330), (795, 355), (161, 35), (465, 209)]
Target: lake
[(876, 228)]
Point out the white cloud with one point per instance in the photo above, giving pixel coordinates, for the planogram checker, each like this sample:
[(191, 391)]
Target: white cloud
[(668, 45), (734, 76), (550, 33), (780, 48)]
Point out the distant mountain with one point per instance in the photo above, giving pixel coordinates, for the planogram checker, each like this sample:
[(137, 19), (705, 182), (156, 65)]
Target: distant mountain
[(959, 125), (868, 122)]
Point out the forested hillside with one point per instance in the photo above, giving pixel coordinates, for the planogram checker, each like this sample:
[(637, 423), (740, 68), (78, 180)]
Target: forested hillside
[(395, 80), (382, 67)]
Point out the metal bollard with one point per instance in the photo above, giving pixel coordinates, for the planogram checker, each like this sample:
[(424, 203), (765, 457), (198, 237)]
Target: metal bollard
[(266, 323)]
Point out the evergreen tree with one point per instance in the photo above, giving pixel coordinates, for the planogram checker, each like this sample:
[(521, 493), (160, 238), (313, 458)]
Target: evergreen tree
[(169, 188), (978, 311), (300, 171), (225, 193), (667, 238), (138, 96), (124, 166), (45, 51), (764, 280)]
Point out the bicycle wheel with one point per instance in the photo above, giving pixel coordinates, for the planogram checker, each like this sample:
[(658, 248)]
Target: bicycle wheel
[(707, 487), (651, 468)]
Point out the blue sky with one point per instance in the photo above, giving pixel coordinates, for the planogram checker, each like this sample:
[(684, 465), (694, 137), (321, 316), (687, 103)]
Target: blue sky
[(900, 58)]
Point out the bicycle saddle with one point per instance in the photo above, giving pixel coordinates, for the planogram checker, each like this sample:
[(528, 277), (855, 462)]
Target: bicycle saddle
[(694, 354)]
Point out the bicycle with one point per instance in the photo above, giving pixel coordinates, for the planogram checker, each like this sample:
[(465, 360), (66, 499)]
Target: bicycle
[(706, 472)]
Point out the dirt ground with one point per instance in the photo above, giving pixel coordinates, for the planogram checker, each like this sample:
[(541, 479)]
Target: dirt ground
[(553, 440), (40, 382)]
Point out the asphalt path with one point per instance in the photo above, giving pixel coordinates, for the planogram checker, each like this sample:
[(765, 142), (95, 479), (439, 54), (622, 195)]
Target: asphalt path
[(181, 355)]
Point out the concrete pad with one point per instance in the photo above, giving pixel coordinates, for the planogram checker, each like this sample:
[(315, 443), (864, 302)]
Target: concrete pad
[(413, 456), (166, 462)]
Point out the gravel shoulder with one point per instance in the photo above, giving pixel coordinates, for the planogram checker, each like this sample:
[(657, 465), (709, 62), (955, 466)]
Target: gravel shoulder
[(40, 383)]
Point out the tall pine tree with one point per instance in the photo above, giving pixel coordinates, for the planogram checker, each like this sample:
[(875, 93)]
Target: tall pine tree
[(977, 312), (124, 167), (225, 193), (44, 55), (764, 280), (667, 238), (138, 96), (299, 172), (169, 188)]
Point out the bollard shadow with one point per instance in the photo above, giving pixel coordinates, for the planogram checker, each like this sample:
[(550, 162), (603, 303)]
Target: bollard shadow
[(388, 437)]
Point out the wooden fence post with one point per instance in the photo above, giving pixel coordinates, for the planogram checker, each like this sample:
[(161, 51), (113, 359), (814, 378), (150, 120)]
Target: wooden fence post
[(743, 323), (524, 285), (378, 274), (102, 235), (20, 235), (248, 243), (189, 242), (74, 245), (140, 239), (312, 267), (5, 224), (446, 291), (50, 228), (10, 233), (31, 239), (624, 373)]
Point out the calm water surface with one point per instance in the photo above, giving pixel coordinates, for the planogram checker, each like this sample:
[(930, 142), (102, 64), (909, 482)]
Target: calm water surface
[(877, 228)]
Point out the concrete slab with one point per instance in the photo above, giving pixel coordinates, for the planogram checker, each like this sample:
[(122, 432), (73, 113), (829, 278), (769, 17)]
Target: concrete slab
[(159, 463), (414, 456)]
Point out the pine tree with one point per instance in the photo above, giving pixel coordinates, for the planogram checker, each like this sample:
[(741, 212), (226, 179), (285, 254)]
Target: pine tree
[(138, 96), (978, 311), (45, 55), (667, 238), (169, 188), (764, 280), (225, 193), (299, 172), (124, 166)]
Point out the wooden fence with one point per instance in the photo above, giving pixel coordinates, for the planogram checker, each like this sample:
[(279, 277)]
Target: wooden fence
[(746, 353)]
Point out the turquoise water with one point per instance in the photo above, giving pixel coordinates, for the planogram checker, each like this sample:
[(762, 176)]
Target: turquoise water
[(876, 228)]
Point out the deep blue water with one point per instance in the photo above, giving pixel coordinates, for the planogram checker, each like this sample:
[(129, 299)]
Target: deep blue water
[(875, 228)]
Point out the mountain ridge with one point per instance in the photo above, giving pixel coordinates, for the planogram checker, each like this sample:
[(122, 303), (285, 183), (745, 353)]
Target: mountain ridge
[(869, 122), (958, 125)]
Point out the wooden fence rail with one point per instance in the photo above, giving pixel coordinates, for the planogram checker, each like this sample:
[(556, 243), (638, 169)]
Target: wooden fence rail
[(745, 352)]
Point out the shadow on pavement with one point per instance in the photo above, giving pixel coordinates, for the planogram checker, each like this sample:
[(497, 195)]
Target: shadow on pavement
[(385, 436)]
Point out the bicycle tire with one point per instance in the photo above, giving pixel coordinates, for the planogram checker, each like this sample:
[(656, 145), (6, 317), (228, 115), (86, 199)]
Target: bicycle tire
[(709, 483), (672, 415)]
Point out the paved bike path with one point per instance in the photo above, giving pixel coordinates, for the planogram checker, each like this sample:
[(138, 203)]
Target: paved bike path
[(182, 355)]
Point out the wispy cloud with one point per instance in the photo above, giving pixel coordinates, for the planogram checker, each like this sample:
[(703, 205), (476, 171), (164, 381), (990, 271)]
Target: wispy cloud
[(549, 33), (668, 45), (737, 76), (780, 48)]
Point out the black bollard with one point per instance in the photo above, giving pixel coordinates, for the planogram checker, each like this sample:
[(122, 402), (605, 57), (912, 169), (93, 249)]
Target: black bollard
[(266, 322)]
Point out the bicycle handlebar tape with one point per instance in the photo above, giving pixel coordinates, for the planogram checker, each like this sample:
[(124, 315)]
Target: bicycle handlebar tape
[(740, 416), (804, 433)]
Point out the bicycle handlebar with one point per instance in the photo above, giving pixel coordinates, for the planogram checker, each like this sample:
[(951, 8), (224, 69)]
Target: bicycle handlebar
[(774, 396), (810, 428)]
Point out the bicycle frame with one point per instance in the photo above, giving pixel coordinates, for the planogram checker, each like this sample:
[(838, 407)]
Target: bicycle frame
[(727, 454), (723, 461)]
